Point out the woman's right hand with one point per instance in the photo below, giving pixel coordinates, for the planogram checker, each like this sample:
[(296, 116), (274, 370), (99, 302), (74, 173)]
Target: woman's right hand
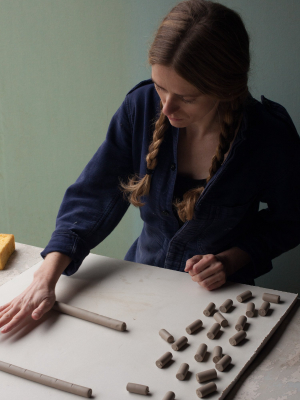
[(39, 297)]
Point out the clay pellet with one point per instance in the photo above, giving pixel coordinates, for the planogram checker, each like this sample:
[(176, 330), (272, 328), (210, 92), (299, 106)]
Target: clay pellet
[(211, 334), (272, 298), (164, 359), (89, 316), (179, 343), (223, 363), (217, 354), (209, 309), (241, 323), (264, 308), (206, 375), (181, 374), (244, 296), (138, 389), (237, 338), (194, 326), (206, 389), (45, 380), (169, 396), (250, 310), (166, 336), (200, 354), (226, 305), (220, 319)]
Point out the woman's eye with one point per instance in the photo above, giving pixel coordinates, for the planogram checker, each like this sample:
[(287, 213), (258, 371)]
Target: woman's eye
[(188, 101)]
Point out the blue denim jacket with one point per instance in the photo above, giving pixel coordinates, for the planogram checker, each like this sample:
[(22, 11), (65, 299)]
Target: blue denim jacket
[(263, 165)]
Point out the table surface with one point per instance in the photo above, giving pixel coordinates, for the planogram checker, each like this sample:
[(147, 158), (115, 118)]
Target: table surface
[(273, 375)]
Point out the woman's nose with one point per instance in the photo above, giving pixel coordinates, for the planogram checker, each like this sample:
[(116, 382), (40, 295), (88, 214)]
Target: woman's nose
[(169, 106)]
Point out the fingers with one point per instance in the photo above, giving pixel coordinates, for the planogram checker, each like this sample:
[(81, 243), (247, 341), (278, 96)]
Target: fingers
[(44, 307), (214, 281), (191, 262), (15, 320), (2, 308), (209, 271), (203, 263)]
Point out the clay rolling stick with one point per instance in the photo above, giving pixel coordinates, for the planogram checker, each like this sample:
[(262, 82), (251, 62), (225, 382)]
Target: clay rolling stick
[(194, 326), (206, 375), (250, 310), (226, 305), (164, 359), (264, 308), (179, 343), (45, 380), (217, 354), (166, 336), (89, 316), (244, 296), (271, 298), (181, 374), (209, 309), (220, 319), (200, 354), (138, 389), (241, 323), (211, 334), (223, 363), (237, 338), (169, 396), (206, 389)]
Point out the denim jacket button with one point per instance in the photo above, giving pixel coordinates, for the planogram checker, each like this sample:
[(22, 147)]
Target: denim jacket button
[(165, 212), (173, 167)]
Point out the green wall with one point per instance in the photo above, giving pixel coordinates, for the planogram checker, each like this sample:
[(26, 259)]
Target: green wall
[(66, 66)]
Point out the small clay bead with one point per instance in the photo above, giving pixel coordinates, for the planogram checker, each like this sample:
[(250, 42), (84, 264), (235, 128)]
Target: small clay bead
[(223, 363), (200, 354), (206, 375), (217, 354), (271, 298), (169, 396), (244, 296), (226, 305), (136, 388), (211, 334), (209, 309), (220, 319), (194, 326), (181, 374), (166, 336), (264, 308), (164, 359), (237, 338), (206, 389), (250, 310), (241, 323), (179, 343)]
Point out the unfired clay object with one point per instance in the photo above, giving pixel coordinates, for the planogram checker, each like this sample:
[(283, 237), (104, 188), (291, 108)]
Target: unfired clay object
[(241, 323), (272, 298), (164, 359), (166, 336), (137, 388), (181, 374), (250, 310), (237, 338), (89, 316), (209, 309), (200, 354), (223, 363), (264, 308), (226, 305), (194, 326), (244, 296), (169, 396), (206, 375), (217, 354), (179, 343), (220, 319), (206, 389), (45, 380), (211, 334)]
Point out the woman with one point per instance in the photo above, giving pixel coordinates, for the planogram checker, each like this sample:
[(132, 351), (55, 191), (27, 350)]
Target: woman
[(197, 154)]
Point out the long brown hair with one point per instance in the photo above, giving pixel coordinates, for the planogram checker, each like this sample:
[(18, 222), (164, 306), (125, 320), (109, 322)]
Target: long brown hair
[(207, 44)]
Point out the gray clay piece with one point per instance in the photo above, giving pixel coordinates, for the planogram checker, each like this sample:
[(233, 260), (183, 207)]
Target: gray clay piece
[(217, 354), (250, 310), (137, 388), (209, 309), (237, 338), (220, 319), (223, 363), (244, 296), (264, 308), (271, 298), (179, 343), (169, 396), (164, 359), (226, 306), (200, 354), (206, 389), (241, 323), (206, 375), (166, 336), (181, 374), (211, 334), (194, 326)]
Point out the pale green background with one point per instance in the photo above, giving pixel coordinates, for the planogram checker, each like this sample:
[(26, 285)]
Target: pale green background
[(65, 67)]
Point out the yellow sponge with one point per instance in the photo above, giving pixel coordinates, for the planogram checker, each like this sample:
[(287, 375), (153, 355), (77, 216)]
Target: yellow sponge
[(7, 247)]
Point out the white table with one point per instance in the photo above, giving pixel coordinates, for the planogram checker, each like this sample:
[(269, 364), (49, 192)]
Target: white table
[(274, 375)]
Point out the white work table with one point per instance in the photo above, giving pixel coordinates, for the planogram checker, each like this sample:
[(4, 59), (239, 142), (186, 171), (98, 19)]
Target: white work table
[(273, 375)]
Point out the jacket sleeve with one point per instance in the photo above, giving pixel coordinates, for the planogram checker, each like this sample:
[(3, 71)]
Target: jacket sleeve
[(94, 205), (276, 229)]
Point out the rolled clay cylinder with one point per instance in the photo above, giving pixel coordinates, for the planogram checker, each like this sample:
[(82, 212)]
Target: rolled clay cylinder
[(206, 389), (211, 334), (223, 363), (206, 375), (271, 298), (217, 354), (200, 354), (179, 343), (89, 316), (164, 359), (241, 323), (209, 309), (166, 336), (220, 319), (226, 305), (250, 310), (244, 296), (181, 374), (169, 396), (237, 338), (45, 380), (194, 326), (264, 308), (136, 388)]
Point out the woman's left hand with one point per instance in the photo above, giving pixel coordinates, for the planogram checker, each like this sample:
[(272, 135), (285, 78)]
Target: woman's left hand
[(207, 270)]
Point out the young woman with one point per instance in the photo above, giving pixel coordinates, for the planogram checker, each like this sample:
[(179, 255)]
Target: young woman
[(197, 154)]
